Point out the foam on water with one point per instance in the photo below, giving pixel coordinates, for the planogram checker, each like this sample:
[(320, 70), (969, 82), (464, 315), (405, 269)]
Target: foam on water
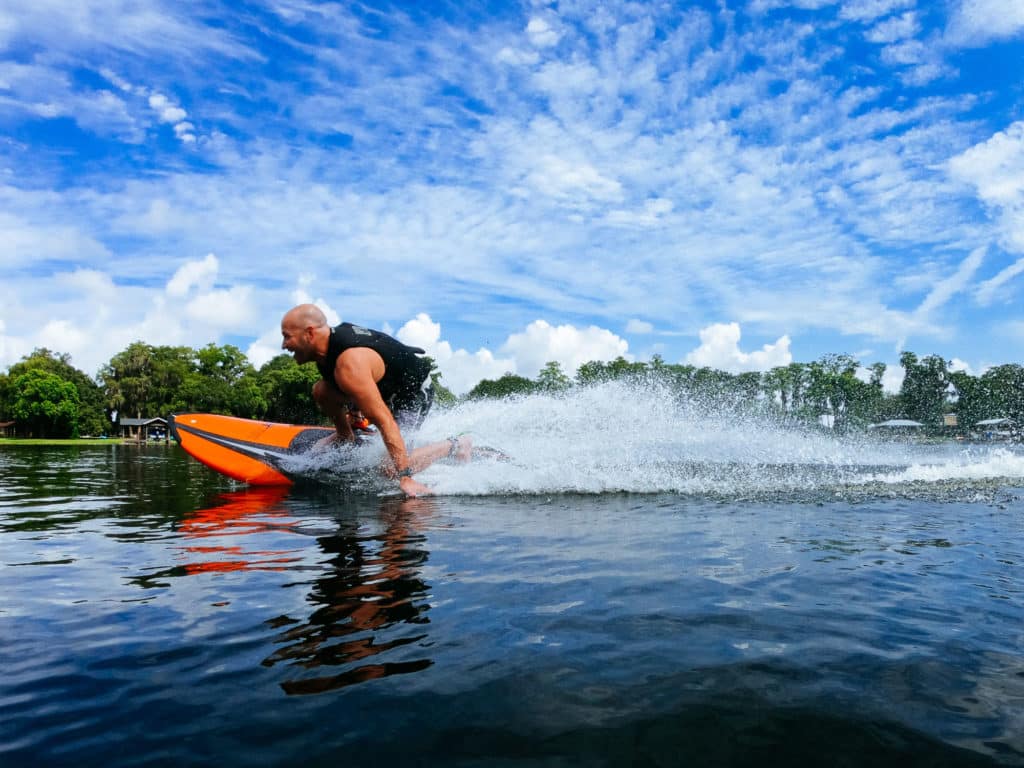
[(619, 438)]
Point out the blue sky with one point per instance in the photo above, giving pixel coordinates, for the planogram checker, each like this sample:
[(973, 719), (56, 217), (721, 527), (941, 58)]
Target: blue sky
[(735, 184)]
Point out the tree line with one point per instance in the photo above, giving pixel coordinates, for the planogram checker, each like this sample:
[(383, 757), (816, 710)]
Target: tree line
[(805, 392), (48, 397)]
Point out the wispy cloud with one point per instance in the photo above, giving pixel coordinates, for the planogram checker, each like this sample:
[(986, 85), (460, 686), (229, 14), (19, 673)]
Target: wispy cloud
[(528, 181)]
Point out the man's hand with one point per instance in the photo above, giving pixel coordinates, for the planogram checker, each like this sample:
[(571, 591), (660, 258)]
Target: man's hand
[(413, 488)]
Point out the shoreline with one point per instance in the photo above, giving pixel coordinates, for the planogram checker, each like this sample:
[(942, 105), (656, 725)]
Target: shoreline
[(70, 441)]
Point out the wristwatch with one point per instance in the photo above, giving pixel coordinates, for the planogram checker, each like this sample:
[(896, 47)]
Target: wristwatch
[(407, 472)]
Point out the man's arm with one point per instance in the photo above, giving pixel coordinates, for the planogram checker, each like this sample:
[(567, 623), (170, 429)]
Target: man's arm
[(357, 372)]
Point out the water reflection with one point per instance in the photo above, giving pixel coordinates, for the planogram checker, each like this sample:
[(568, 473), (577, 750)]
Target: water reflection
[(369, 603), (371, 600), (243, 513)]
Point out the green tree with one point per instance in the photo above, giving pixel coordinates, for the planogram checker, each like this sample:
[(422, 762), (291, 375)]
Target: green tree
[(92, 417), (288, 390), (509, 385), (925, 386), (1005, 388), (170, 368), (551, 378), (5, 397), (127, 379), (745, 389), (972, 399), (593, 372), (711, 386), (46, 403), (835, 390), (225, 382)]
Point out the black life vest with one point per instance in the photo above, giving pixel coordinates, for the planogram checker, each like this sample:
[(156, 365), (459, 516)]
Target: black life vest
[(404, 369)]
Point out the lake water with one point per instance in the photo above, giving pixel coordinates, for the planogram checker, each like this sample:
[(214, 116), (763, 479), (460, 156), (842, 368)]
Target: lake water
[(691, 591)]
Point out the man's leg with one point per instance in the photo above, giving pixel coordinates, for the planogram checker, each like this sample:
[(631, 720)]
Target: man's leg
[(335, 406)]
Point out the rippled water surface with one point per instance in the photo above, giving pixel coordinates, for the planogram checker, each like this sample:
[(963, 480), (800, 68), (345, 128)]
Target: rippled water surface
[(774, 610)]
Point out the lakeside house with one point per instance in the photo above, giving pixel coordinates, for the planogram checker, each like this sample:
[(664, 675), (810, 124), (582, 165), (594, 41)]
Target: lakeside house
[(7, 428), (998, 429), (142, 429)]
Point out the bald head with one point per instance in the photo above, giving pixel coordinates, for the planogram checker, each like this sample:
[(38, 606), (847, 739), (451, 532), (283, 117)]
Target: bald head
[(305, 316), (305, 333)]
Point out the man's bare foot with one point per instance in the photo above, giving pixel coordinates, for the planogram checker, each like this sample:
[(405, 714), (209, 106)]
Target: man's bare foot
[(461, 448)]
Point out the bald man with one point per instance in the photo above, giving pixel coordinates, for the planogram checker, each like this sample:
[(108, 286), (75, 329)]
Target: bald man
[(369, 371)]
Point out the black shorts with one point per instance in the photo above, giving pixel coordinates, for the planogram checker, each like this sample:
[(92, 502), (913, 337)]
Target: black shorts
[(410, 406)]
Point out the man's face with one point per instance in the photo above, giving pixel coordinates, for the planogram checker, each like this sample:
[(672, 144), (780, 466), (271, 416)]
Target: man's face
[(298, 340)]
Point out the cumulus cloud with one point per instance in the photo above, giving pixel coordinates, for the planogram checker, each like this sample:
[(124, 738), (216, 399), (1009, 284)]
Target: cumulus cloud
[(168, 112), (892, 379), (225, 310), (541, 33), (165, 110), (460, 369), (193, 274), (12, 348), (995, 168), (720, 348), (975, 22), (503, 171), (570, 347)]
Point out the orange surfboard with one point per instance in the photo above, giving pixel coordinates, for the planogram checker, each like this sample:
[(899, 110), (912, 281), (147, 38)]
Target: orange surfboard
[(246, 450)]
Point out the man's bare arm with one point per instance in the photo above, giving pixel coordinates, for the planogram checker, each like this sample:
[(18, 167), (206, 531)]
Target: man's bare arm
[(357, 375)]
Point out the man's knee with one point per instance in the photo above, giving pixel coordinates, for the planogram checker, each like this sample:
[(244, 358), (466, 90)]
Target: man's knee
[(325, 396)]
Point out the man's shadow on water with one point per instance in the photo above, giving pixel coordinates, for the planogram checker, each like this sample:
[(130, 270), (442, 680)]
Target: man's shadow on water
[(370, 601)]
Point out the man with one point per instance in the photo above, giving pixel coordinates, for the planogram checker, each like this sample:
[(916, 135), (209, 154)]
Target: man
[(372, 373)]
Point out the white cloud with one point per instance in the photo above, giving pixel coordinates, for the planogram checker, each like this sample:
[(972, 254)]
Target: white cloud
[(996, 169), (894, 28), (975, 22), (193, 274), (541, 34), (25, 242), (652, 214), (460, 370), (944, 290), (719, 348), (563, 178), (892, 379), (223, 310), (516, 57), (639, 326), (166, 111), (265, 348), (869, 10), (12, 348), (184, 131), (987, 290), (807, 208), (570, 347)]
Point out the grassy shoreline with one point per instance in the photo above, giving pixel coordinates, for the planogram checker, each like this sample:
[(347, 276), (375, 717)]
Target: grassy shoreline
[(63, 441)]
